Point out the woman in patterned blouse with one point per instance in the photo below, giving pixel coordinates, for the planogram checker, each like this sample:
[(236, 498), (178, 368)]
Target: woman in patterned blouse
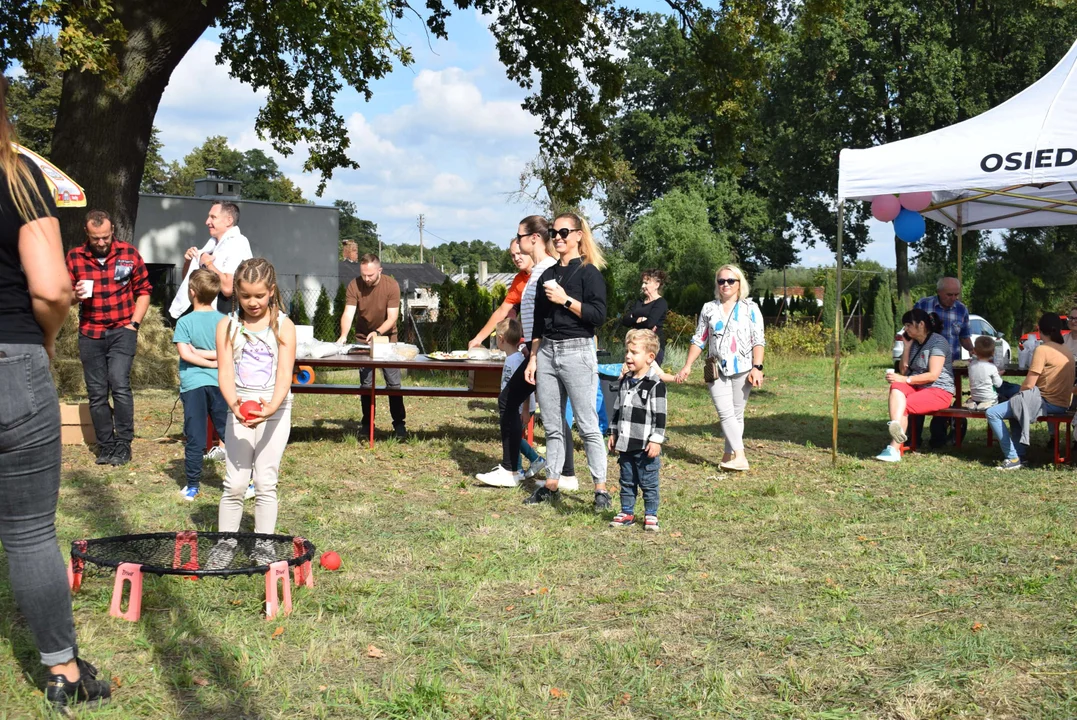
[(730, 328)]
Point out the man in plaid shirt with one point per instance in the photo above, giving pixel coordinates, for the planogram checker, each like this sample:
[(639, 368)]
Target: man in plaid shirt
[(639, 428), (112, 286)]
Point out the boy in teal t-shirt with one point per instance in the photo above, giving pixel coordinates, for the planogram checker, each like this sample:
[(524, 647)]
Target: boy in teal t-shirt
[(196, 340)]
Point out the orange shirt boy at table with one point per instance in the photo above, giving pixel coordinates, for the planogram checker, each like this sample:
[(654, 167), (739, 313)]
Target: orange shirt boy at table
[(372, 302)]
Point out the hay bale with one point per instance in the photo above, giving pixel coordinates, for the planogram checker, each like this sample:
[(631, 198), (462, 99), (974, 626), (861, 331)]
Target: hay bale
[(156, 360)]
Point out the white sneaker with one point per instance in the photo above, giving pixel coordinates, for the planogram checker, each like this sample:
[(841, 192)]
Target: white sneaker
[(500, 477), (250, 492), (221, 554), (264, 553), (568, 482), (216, 454), (535, 468)]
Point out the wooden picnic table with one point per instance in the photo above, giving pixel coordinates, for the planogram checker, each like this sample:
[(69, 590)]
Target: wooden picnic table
[(484, 378)]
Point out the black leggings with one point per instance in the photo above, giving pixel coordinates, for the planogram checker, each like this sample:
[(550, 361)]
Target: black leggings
[(516, 392)]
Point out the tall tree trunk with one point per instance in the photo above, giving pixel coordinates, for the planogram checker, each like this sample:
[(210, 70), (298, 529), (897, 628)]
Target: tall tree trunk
[(103, 129), (901, 273)]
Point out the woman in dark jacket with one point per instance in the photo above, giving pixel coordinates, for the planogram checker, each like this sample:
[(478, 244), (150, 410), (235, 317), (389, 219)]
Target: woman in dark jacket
[(649, 312), (35, 296)]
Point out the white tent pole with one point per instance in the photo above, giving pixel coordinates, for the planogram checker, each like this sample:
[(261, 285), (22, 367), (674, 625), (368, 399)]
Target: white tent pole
[(837, 331), (960, 233)]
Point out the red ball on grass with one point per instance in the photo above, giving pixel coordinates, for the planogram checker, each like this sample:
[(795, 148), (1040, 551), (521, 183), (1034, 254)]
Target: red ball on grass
[(330, 560)]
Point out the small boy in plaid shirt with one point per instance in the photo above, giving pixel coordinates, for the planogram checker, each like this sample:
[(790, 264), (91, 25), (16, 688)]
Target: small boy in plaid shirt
[(639, 428)]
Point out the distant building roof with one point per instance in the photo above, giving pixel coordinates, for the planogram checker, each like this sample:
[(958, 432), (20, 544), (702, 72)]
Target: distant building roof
[(417, 275), (491, 279)]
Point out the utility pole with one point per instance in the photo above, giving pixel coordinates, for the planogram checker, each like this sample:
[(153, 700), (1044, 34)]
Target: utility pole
[(422, 224)]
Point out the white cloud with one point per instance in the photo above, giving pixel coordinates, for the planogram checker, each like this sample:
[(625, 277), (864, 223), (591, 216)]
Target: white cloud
[(449, 104), (200, 84)]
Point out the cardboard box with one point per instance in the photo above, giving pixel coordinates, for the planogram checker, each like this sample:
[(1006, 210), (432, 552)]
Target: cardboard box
[(484, 380), (380, 349), (76, 426)]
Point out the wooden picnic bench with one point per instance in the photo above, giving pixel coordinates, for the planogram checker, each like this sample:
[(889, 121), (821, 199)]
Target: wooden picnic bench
[(957, 411)]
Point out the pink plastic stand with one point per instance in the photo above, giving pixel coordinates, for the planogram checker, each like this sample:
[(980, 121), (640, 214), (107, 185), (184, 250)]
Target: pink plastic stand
[(132, 574), (278, 572), (304, 574)]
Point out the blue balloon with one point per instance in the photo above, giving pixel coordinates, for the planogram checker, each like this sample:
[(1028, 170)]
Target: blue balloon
[(909, 226)]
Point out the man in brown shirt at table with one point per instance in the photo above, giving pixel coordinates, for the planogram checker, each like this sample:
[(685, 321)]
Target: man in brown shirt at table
[(373, 303)]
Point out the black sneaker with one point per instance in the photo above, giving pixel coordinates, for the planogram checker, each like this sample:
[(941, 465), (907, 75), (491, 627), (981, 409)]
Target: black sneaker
[(400, 432), (104, 455), (602, 501), (543, 494), (61, 694), (120, 456)]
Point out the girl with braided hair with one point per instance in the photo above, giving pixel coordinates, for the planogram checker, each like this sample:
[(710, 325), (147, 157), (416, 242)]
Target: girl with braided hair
[(260, 340)]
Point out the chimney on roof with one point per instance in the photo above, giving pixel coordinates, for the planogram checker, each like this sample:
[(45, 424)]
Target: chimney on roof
[(214, 186), (482, 272)]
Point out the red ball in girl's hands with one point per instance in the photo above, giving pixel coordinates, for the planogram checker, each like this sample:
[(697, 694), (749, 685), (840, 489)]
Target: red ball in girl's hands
[(248, 407), (330, 560)]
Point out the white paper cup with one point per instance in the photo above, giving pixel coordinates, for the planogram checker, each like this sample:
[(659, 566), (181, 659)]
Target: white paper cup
[(550, 283), (84, 288)]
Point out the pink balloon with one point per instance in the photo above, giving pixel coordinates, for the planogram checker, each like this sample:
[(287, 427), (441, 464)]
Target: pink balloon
[(915, 201), (885, 207)]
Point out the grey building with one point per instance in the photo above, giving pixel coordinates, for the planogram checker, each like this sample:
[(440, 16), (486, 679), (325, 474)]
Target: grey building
[(302, 241)]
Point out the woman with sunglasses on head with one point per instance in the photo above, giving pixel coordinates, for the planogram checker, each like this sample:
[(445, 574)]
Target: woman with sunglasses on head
[(533, 238), (730, 328), (569, 307), (35, 297)]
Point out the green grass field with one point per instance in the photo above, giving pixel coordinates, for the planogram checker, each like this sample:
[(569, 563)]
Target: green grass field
[(937, 587)]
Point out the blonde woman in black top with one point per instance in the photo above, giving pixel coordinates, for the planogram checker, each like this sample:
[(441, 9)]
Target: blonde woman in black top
[(570, 305)]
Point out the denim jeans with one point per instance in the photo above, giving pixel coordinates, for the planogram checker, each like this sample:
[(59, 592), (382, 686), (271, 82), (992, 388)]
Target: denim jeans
[(995, 415), (198, 406), (106, 365), (639, 471), (516, 392), (396, 403), (568, 369), (29, 486)]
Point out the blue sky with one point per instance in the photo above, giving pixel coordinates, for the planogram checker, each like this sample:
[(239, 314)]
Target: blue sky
[(445, 137)]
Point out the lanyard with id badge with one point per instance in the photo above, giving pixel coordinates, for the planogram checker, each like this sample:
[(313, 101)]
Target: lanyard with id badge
[(122, 273)]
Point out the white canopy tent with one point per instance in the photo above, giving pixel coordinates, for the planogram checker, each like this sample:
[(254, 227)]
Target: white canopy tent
[(1012, 166)]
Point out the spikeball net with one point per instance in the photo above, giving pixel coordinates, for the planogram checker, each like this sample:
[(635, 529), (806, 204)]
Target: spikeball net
[(195, 555)]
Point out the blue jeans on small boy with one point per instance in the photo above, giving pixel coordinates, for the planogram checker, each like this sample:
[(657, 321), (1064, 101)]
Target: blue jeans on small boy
[(198, 406), (639, 471)]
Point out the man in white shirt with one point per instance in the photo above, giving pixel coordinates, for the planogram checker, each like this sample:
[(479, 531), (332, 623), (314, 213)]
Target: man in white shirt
[(222, 254)]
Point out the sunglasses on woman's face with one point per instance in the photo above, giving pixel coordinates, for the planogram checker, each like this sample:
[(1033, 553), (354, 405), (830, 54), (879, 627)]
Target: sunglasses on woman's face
[(726, 281), (563, 232)]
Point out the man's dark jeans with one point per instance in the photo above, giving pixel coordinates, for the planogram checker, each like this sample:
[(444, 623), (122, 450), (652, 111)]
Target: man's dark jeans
[(106, 365), (396, 402), (29, 486), (199, 405), (639, 471)]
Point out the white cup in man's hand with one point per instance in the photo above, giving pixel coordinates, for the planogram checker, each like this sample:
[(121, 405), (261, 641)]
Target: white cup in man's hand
[(84, 289)]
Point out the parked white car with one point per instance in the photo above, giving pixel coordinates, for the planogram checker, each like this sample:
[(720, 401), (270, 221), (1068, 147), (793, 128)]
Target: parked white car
[(977, 326)]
